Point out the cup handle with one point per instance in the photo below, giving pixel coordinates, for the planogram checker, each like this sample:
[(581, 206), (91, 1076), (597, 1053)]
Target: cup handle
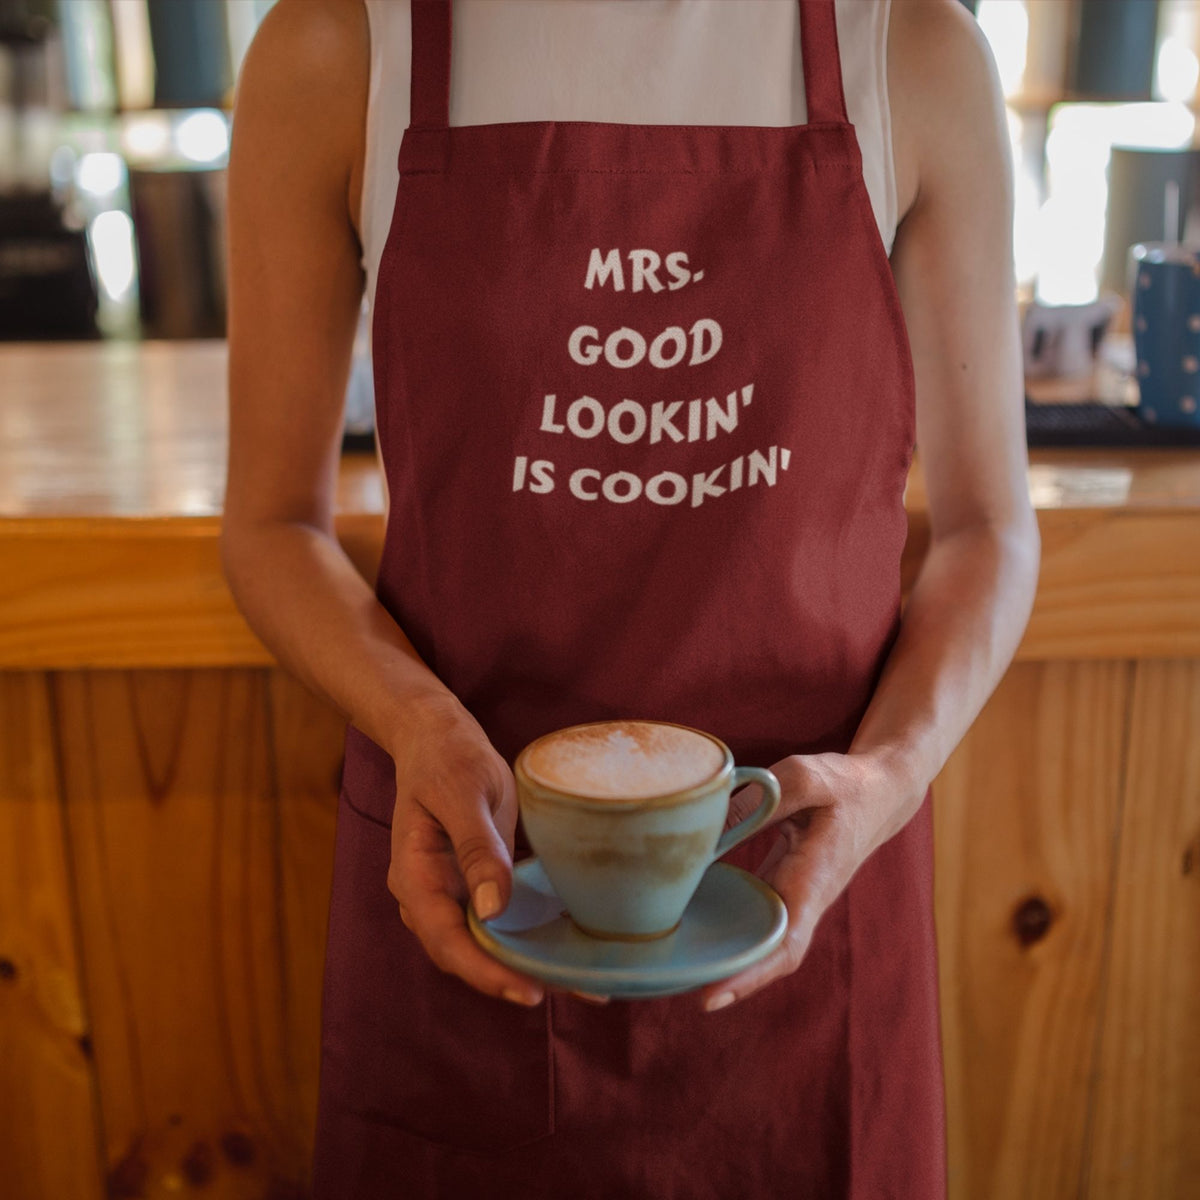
[(759, 817)]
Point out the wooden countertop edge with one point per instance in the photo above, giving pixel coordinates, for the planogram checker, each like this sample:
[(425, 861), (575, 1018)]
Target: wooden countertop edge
[(112, 592), (204, 525)]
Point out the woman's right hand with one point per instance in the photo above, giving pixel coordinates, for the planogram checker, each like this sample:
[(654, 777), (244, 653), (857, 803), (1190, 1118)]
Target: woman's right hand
[(452, 837), (296, 289)]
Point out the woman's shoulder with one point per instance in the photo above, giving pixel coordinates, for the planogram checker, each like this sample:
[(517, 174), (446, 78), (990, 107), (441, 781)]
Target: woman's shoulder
[(302, 90), (945, 94), (312, 42)]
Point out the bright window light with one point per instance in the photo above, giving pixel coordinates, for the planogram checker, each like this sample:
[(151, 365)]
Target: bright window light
[(1177, 70), (1026, 203), (202, 137), (111, 236), (100, 174), (1005, 24), (1071, 223)]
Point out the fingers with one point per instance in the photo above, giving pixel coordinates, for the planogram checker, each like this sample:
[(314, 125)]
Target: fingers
[(443, 933), (809, 867), (804, 784), (742, 803), (449, 944), (426, 879), (774, 855), (784, 960), (588, 997), (504, 814), (484, 860)]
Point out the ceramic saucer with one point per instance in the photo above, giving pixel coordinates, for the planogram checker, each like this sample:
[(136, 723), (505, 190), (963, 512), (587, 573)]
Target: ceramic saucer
[(733, 920)]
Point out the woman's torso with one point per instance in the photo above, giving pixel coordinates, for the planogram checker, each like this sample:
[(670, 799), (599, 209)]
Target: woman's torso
[(498, 485), (669, 62), (719, 546)]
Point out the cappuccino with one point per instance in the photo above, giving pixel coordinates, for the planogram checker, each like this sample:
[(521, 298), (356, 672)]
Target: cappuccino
[(624, 760), (626, 816)]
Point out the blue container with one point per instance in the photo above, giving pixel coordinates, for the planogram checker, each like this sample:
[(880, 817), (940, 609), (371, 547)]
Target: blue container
[(1165, 282)]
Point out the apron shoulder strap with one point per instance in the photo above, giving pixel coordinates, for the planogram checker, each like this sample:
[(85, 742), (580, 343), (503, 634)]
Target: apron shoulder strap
[(823, 92), (430, 82)]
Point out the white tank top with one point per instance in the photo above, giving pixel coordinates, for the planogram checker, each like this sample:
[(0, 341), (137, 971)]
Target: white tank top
[(640, 62)]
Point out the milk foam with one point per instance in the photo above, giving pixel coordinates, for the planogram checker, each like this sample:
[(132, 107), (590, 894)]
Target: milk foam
[(621, 760)]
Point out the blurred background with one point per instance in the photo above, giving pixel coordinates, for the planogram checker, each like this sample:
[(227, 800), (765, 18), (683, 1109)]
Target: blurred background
[(114, 133), (114, 137)]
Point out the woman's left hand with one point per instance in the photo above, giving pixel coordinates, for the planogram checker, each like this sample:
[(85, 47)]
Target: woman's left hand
[(835, 811)]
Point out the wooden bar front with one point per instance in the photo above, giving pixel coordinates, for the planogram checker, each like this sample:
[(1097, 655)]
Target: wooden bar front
[(167, 801)]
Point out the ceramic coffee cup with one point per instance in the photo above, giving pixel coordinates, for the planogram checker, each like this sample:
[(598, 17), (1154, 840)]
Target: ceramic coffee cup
[(626, 816)]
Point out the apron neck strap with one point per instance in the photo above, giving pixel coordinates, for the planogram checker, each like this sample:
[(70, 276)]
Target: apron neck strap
[(430, 99), (823, 92), (430, 93)]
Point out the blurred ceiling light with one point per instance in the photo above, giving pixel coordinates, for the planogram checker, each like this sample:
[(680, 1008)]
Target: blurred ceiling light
[(100, 173), (1177, 71), (1005, 24), (111, 236), (202, 137), (146, 135)]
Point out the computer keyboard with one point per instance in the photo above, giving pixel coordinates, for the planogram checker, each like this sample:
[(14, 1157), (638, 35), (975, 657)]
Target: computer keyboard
[(1095, 424)]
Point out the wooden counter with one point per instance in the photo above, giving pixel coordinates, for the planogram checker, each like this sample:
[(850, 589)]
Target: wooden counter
[(167, 811), (112, 468)]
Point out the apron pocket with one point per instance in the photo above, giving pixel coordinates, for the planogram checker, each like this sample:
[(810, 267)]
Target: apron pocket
[(408, 1045)]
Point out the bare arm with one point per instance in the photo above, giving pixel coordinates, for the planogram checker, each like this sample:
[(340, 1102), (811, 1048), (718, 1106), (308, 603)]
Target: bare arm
[(295, 290), (953, 267), (952, 263), (296, 285)]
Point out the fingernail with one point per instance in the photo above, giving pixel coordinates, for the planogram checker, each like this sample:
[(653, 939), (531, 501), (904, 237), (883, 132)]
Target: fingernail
[(721, 1001), (524, 998), (590, 997), (487, 900)]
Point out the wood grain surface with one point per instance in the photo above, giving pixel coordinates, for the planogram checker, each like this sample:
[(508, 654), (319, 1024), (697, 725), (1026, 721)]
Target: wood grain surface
[(1146, 1140), (307, 738), (127, 429), (100, 429), (176, 827), (200, 812), (91, 592), (1112, 585), (1027, 814), (109, 592), (112, 470), (49, 1118)]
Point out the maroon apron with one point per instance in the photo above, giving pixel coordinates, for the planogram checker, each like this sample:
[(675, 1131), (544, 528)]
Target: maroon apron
[(645, 403)]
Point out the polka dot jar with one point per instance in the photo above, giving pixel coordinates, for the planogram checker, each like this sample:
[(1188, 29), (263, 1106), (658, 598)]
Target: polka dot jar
[(1166, 332)]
